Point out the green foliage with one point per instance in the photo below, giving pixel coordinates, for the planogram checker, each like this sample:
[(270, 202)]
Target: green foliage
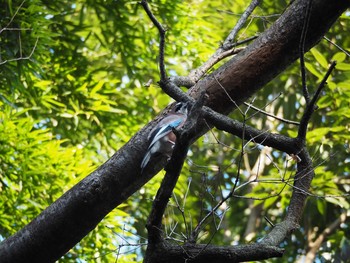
[(71, 93), (35, 169)]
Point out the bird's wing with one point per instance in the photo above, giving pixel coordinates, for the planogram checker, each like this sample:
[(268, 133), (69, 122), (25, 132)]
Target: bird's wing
[(164, 127), (145, 160)]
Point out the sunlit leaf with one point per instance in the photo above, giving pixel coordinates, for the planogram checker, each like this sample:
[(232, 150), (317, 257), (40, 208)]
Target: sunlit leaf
[(320, 58)]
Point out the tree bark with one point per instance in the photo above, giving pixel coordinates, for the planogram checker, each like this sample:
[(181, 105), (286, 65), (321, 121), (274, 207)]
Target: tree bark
[(64, 223), (191, 253)]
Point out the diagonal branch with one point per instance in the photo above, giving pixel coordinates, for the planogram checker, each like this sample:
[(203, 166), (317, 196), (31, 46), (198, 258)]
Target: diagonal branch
[(162, 32), (173, 170), (302, 51), (222, 52), (229, 41), (310, 108), (303, 177), (12, 18)]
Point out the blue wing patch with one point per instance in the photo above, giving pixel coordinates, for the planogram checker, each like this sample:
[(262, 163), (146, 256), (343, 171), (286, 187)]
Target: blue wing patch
[(161, 131)]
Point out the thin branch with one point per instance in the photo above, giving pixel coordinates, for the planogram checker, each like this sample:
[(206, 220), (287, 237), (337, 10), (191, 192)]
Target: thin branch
[(20, 44), (277, 141), (271, 115), (312, 105), (337, 46), (244, 41), (228, 95), (13, 17), (302, 51), (15, 29), (243, 18), (253, 16), (21, 57), (162, 32), (182, 209), (323, 83), (269, 221), (222, 52), (197, 229)]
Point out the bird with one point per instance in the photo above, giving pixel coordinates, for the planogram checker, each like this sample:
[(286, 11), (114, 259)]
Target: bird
[(162, 138)]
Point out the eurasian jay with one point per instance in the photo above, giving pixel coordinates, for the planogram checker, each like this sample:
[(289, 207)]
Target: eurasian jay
[(162, 137)]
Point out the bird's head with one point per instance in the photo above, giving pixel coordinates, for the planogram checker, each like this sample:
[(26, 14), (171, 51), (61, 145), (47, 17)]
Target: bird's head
[(182, 108)]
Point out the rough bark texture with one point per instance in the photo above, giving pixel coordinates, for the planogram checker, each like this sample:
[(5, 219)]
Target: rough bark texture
[(191, 253), (59, 227)]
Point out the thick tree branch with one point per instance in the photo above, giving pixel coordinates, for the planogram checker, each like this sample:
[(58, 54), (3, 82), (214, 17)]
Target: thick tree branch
[(79, 210), (302, 182), (274, 140), (173, 170), (154, 224), (195, 253)]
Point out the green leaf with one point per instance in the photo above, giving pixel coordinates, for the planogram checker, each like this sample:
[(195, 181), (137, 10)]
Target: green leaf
[(313, 70), (97, 88), (319, 133), (321, 206), (343, 66), (339, 57), (320, 58)]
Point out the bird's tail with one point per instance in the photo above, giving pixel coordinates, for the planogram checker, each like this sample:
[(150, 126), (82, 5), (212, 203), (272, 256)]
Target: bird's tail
[(145, 161)]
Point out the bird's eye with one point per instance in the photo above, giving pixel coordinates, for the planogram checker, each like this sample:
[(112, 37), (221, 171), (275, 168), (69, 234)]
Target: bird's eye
[(178, 106)]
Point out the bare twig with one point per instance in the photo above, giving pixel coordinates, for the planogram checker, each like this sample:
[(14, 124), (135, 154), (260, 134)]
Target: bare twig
[(21, 57), (252, 16), (272, 115), (337, 46), (228, 95), (312, 105), (15, 29), (269, 221), (13, 17), (7, 28), (162, 32), (277, 141), (182, 209), (243, 18), (197, 229), (302, 51), (222, 52)]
